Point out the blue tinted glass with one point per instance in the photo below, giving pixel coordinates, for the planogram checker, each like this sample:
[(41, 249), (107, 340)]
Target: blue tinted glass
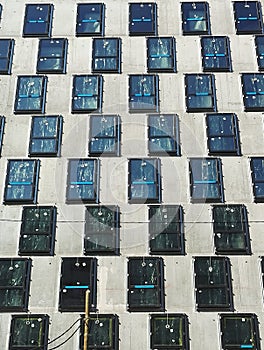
[(257, 169), (38, 20), (52, 56), (248, 17), (195, 18), (143, 19), (90, 19), (259, 41), (143, 93), (106, 55), (216, 54), (161, 55), (253, 91), (6, 55)]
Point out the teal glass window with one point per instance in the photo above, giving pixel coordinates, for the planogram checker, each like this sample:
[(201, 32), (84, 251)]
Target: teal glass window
[(253, 91), (143, 93), (216, 56), (195, 18), (248, 17), (106, 55), (90, 19), (257, 174), (6, 55), (161, 54), (52, 56), (38, 20), (259, 42), (142, 19)]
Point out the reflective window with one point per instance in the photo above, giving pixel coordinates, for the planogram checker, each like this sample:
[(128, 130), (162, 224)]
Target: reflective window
[(21, 181), (90, 19), (83, 181), (164, 135), (143, 19), (77, 275), (37, 233), (30, 94), (257, 173), (2, 127), (52, 56), (146, 284), (144, 180), (29, 332), (6, 55), (107, 55), (248, 17), (87, 93), (38, 20), (14, 284), (102, 224), (253, 91), (222, 134), (231, 232), (143, 93), (213, 287), (161, 54), (216, 55), (200, 92), (259, 42), (166, 229), (206, 180), (195, 18), (105, 135)]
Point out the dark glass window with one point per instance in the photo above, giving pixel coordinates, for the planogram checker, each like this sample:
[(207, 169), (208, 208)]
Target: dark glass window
[(231, 232), (164, 135), (257, 173), (222, 134), (143, 93), (195, 18), (166, 229), (90, 19), (213, 287), (105, 135), (14, 284), (29, 332), (253, 91), (77, 275), (248, 17), (103, 332), (6, 55), (83, 181), (143, 19), (259, 42), (2, 126), (169, 331), (107, 55), (30, 94), (87, 93), (22, 181), (37, 233), (52, 56), (239, 331), (38, 20), (45, 136), (206, 180), (161, 54), (146, 284), (144, 180), (102, 225), (200, 93), (216, 55)]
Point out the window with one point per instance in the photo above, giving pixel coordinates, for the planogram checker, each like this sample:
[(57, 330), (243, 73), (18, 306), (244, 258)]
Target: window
[(206, 180), (259, 42), (169, 331), (52, 55), (144, 180), (164, 135), (107, 55), (200, 93), (146, 284), (216, 55), (14, 284), (45, 136), (87, 93), (166, 229), (102, 225), (38, 20), (105, 135), (90, 19), (195, 18), (37, 233), (143, 19), (213, 284), (83, 181), (22, 181), (253, 91), (77, 275), (248, 17), (222, 134), (29, 331), (161, 54), (257, 173), (6, 55), (143, 93), (31, 94), (103, 332), (2, 126), (239, 331), (231, 233)]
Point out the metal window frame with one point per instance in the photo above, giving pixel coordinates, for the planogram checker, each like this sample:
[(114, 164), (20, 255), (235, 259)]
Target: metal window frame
[(9, 56), (79, 21), (47, 33), (238, 19), (153, 19), (117, 57), (259, 107), (257, 198), (259, 53), (172, 55), (227, 54), (186, 19)]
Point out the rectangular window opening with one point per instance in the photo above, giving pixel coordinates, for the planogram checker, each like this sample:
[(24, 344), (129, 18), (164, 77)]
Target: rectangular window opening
[(106, 55), (216, 56), (6, 55), (248, 17), (161, 55), (195, 18), (257, 174), (52, 56), (142, 19), (90, 19), (253, 91), (38, 20)]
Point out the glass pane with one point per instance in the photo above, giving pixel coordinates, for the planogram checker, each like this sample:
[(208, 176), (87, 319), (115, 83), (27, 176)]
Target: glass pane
[(167, 331), (238, 331), (37, 20), (27, 332), (210, 272), (227, 241), (211, 296), (89, 19), (142, 18), (101, 333)]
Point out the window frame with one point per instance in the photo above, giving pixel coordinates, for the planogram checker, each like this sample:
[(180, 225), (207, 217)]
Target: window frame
[(116, 57), (256, 94), (186, 19), (9, 56), (238, 20), (257, 180), (260, 51), (134, 7), (216, 56), (2, 129), (167, 56), (101, 21), (48, 22)]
